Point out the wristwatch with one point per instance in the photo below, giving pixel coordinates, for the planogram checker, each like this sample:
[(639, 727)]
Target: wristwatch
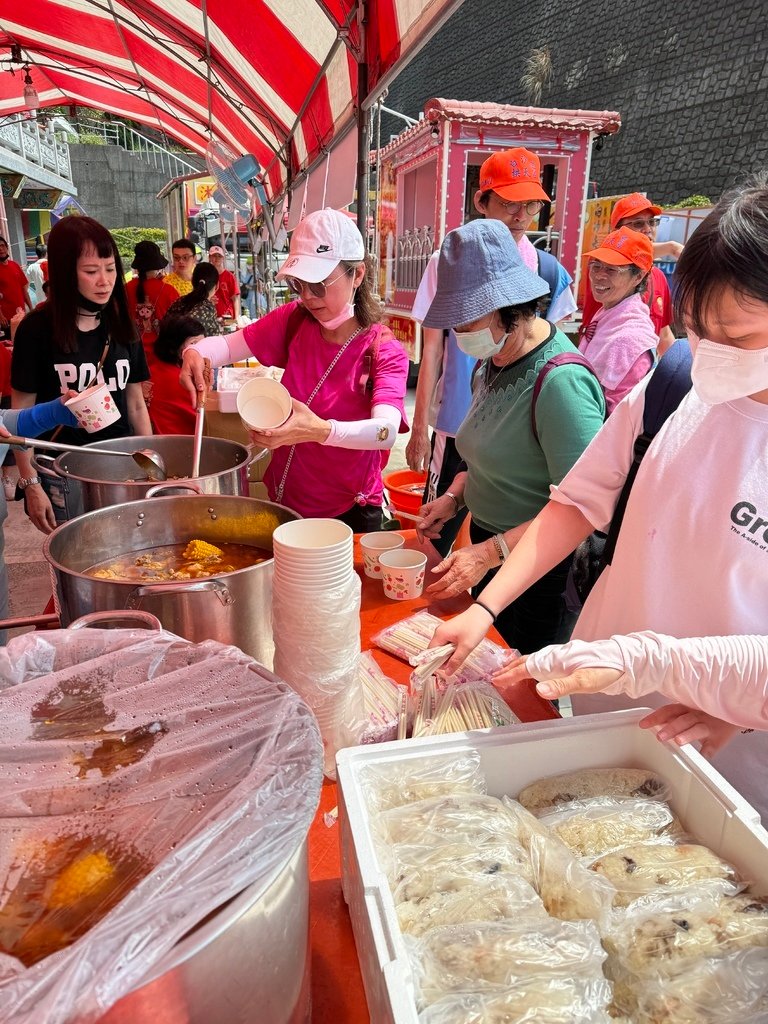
[(502, 548), (27, 481)]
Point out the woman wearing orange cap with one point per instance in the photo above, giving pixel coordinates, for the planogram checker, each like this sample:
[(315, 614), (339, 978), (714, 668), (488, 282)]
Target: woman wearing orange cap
[(620, 343)]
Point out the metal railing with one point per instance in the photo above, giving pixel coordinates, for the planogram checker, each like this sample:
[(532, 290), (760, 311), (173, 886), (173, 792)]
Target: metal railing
[(414, 247), (115, 133), (35, 143)]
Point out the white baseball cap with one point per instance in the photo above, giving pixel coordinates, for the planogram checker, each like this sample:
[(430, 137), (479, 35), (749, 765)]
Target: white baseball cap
[(319, 243)]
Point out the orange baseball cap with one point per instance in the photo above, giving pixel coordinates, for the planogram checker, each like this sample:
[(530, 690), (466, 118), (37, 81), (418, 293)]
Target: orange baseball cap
[(624, 247), (513, 174), (630, 206)]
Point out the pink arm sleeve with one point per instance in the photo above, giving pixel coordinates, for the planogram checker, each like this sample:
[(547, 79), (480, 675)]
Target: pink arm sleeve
[(726, 676)]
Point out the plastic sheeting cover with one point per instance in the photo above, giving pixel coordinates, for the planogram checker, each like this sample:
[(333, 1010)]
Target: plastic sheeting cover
[(190, 760)]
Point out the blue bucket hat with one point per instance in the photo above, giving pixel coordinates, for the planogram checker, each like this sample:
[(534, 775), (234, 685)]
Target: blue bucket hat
[(480, 270)]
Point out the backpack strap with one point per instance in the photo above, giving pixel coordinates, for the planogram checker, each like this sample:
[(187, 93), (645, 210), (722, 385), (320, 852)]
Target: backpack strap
[(561, 359), (670, 382)]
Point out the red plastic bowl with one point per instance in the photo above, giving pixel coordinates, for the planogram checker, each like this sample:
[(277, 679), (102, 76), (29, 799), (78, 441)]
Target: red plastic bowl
[(405, 489)]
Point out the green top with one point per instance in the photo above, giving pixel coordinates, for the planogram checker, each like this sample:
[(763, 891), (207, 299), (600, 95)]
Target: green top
[(509, 472)]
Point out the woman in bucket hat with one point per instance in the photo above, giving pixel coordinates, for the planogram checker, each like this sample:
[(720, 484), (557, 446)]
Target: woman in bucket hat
[(345, 371), (149, 297), (512, 453), (620, 342)]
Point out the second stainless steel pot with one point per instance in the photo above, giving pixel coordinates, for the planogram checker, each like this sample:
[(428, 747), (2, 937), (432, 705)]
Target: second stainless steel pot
[(234, 609), (92, 480)]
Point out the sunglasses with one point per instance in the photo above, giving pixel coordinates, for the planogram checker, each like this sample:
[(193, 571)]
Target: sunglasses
[(316, 288)]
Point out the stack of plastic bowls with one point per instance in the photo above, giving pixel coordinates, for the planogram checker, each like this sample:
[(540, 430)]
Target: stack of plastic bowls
[(316, 625)]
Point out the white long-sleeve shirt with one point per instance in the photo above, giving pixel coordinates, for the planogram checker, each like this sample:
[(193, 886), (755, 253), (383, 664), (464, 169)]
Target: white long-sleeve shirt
[(692, 555), (726, 676)]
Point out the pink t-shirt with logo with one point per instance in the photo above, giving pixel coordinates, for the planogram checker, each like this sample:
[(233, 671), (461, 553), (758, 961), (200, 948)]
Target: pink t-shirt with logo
[(324, 480)]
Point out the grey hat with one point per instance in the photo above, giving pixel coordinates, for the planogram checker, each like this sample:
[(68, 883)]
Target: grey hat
[(480, 269)]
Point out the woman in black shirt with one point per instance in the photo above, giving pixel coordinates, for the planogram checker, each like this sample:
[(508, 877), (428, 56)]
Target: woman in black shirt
[(82, 334)]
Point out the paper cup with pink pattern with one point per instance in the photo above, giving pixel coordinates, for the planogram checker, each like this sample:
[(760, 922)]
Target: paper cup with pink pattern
[(402, 573), (94, 409), (373, 545)]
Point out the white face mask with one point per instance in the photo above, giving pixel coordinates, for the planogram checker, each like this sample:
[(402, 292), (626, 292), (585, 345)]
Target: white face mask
[(480, 344), (722, 373)]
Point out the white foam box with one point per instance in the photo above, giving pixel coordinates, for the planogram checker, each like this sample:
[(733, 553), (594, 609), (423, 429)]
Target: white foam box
[(231, 379), (511, 758)]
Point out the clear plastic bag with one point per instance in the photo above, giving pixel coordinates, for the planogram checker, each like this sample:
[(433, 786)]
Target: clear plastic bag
[(726, 990), (410, 637), (417, 871), (394, 783), (317, 649), (593, 782), (382, 698), (471, 817), (457, 707), (488, 898), (568, 889), (555, 1000), (140, 766), (663, 933), (492, 956), (637, 870), (594, 827)]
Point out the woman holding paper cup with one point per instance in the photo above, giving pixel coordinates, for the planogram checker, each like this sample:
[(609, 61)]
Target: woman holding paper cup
[(81, 336), (512, 454), (345, 373)]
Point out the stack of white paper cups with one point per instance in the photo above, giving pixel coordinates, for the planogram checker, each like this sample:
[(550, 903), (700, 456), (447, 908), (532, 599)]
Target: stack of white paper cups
[(316, 625)]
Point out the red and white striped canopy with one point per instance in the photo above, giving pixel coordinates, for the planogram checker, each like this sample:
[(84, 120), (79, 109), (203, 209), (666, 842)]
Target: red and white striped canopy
[(277, 78)]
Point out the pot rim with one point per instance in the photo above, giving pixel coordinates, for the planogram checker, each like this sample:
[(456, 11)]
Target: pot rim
[(93, 449), (134, 507)]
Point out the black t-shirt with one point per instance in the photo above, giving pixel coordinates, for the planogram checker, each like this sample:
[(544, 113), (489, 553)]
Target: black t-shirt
[(40, 368)]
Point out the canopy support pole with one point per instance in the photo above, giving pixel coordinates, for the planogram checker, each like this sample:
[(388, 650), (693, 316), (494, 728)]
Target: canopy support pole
[(363, 122)]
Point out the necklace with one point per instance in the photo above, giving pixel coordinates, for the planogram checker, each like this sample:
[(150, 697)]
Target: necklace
[(88, 313), (336, 358), (490, 381)]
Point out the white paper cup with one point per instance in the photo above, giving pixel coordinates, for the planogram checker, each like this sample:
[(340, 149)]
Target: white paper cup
[(373, 545), (94, 409), (402, 573), (263, 403)]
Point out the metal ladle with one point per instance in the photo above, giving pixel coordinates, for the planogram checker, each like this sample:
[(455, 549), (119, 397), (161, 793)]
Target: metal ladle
[(147, 459)]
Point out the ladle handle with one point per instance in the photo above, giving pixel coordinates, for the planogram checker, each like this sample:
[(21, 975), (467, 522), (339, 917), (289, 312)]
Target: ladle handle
[(54, 446)]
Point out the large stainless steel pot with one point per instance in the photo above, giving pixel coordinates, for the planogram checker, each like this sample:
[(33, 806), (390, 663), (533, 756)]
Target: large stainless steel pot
[(249, 962), (92, 480), (233, 609)]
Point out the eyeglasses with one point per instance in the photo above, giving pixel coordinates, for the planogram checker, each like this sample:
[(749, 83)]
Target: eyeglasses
[(638, 225), (316, 288), (595, 267), (182, 259), (531, 207)]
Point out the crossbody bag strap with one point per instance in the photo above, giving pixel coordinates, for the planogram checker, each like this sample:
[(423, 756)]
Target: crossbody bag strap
[(323, 378), (561, 359)]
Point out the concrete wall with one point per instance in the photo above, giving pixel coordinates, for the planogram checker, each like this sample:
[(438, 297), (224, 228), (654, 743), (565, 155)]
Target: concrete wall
[(690, 80), (116, 187)]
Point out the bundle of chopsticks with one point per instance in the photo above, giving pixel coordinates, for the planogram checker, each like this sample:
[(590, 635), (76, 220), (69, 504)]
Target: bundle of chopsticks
[(457, 708)]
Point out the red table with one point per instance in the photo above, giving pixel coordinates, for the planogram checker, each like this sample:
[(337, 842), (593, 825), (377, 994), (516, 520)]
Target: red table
[(337, 987)]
